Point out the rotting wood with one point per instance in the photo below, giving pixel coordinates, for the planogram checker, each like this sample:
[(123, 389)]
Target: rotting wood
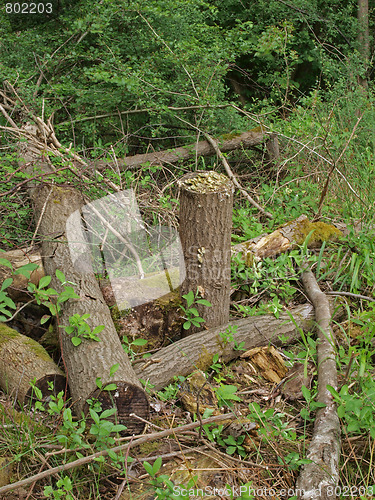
[(202, 148), (22, 361), (285, 238), (196, 351), (319, 479)]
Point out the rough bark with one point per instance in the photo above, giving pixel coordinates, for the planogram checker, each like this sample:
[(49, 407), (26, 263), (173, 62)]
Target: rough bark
[(90, 360), (206, 203), (196, 351), (319, 478), (23, 360), (202, 148)]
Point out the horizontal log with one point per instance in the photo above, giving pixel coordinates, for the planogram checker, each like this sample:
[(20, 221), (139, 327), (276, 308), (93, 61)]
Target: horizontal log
[(202, 148), (196, 351)]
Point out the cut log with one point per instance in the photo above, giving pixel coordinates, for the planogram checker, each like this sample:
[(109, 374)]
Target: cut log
[(319, 479), (286, 237), (19, 258), (202, 148), (206, 204), (22, 361), (90, 360), (196, 351)]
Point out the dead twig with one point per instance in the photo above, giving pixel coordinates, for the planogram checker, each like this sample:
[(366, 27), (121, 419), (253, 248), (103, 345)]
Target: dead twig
[(117, 449)]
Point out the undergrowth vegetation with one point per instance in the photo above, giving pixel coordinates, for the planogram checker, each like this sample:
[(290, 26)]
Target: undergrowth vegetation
[(124, 78)]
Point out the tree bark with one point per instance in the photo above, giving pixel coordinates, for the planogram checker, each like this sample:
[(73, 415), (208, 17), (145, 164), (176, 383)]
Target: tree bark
[(363, 36), (202, 148), (90, 360), (206, 203), (196, 351), (319, 479), (23, 360)]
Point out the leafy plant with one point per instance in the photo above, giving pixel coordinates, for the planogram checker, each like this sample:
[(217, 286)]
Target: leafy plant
[(191, 314), (80, 329), (128, 345)]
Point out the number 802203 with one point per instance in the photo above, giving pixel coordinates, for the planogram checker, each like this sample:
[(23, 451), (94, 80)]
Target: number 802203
[(28, 8)]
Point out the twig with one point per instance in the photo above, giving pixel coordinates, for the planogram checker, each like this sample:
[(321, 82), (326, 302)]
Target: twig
[(325, 188), (349, 294), (116, 449), (232, 177), (146, 110)]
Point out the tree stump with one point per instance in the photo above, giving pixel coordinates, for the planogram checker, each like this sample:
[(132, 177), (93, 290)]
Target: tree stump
[(23, 360), (206, 204)]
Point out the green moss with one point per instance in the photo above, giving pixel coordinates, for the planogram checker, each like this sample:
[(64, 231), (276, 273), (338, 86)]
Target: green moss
[(7, 333), (205, 360), (321, 232)]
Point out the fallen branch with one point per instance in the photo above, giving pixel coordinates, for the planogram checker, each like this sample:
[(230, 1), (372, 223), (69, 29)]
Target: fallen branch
[(202, 148), (233, 178), (319, 479), (116, 449)]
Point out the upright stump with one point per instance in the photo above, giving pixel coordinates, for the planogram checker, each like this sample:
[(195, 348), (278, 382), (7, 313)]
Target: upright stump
[(206, 203)]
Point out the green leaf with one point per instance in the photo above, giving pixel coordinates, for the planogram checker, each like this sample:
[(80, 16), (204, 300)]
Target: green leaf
[(94, 416), (157, 465), (148, 468), (7, 282), (44, 319), (44, 281), (189, 297), (114, 369), (27, 269), (98, 329), (60, 276), (139, 342), (110, 387), (76, 341), (204, 302), (186, 325), (6, 263)]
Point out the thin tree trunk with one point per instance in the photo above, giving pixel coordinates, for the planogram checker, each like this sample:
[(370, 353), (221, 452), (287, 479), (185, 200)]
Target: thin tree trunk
[(206, 203)]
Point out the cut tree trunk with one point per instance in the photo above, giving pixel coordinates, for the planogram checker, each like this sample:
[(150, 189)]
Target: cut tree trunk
[(319, 479), (22, 361), (18, 258), (90, 360), (202, 148), (206, 204), (196, 351)]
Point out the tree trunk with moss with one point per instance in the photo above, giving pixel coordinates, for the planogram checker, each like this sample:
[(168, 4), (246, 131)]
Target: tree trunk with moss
[(206, 204), (22, 361)]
